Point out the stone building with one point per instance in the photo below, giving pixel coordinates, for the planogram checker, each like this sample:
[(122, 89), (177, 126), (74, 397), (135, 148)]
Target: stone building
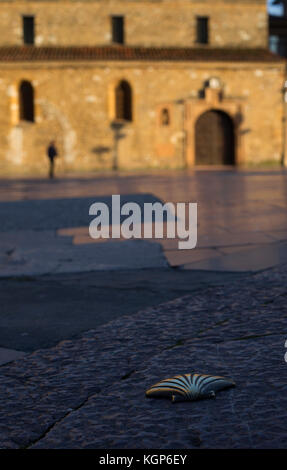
[(137, 84), (278, 30)]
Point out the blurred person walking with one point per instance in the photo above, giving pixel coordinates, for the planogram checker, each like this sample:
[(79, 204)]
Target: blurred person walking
[(52, 154)]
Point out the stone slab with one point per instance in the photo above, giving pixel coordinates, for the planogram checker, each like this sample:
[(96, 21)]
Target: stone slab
[(247, 260), (182, 257), (9, 355), (32, 253)]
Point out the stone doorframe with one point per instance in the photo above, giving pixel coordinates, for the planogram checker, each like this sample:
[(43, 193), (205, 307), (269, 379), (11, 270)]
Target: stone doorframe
[(215, 101)]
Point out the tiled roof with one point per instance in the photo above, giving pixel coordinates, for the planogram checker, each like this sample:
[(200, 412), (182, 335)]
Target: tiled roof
[(34, 53)]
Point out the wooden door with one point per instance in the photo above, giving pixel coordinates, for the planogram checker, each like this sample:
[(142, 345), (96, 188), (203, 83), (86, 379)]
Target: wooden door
[(214, 139)]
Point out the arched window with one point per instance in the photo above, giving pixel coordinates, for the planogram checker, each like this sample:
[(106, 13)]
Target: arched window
[(164, 117), (26, 101), (123, 98)]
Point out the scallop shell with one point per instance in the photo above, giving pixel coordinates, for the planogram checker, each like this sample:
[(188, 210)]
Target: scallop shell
[(189, 387)]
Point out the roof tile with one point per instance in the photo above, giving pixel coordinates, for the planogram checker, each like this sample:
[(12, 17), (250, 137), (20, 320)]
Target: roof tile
[(34, 53)]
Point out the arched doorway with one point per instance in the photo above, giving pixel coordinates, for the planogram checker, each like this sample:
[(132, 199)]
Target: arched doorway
[(214, 139)]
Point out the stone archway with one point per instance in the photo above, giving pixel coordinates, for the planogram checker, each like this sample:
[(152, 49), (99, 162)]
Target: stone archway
[(214, 139)]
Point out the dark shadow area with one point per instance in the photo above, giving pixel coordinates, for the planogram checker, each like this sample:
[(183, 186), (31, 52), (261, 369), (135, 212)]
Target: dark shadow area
[(101, 151), (53, 214), (116, 127), (38, 312), (238, 120)]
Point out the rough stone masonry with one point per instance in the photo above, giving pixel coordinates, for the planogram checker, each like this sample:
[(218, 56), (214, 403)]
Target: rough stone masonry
[(137, 104)]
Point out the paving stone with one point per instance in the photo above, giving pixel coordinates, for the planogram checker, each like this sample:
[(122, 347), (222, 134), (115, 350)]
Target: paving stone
[(246, 260), (9, 355), (89, 392)]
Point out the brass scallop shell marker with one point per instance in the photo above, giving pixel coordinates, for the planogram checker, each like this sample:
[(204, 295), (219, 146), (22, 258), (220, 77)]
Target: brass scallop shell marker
[(189, 387)]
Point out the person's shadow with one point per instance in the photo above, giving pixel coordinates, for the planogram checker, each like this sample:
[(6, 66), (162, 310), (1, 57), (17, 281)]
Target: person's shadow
[(116, 127), (101, 151)]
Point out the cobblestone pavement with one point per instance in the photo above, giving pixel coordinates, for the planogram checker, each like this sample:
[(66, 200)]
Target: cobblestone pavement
[(39, 312), (242, 222), (89, 393)]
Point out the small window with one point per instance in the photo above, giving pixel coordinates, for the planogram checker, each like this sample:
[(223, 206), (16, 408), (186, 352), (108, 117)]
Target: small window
[(118, 29), (26, 101), (274, 44), (28, 30), (164, 117), (123, 97), (202, 30)]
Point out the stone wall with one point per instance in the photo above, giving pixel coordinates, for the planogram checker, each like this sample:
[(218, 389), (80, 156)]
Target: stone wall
[(74, 105), (239, 23)]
